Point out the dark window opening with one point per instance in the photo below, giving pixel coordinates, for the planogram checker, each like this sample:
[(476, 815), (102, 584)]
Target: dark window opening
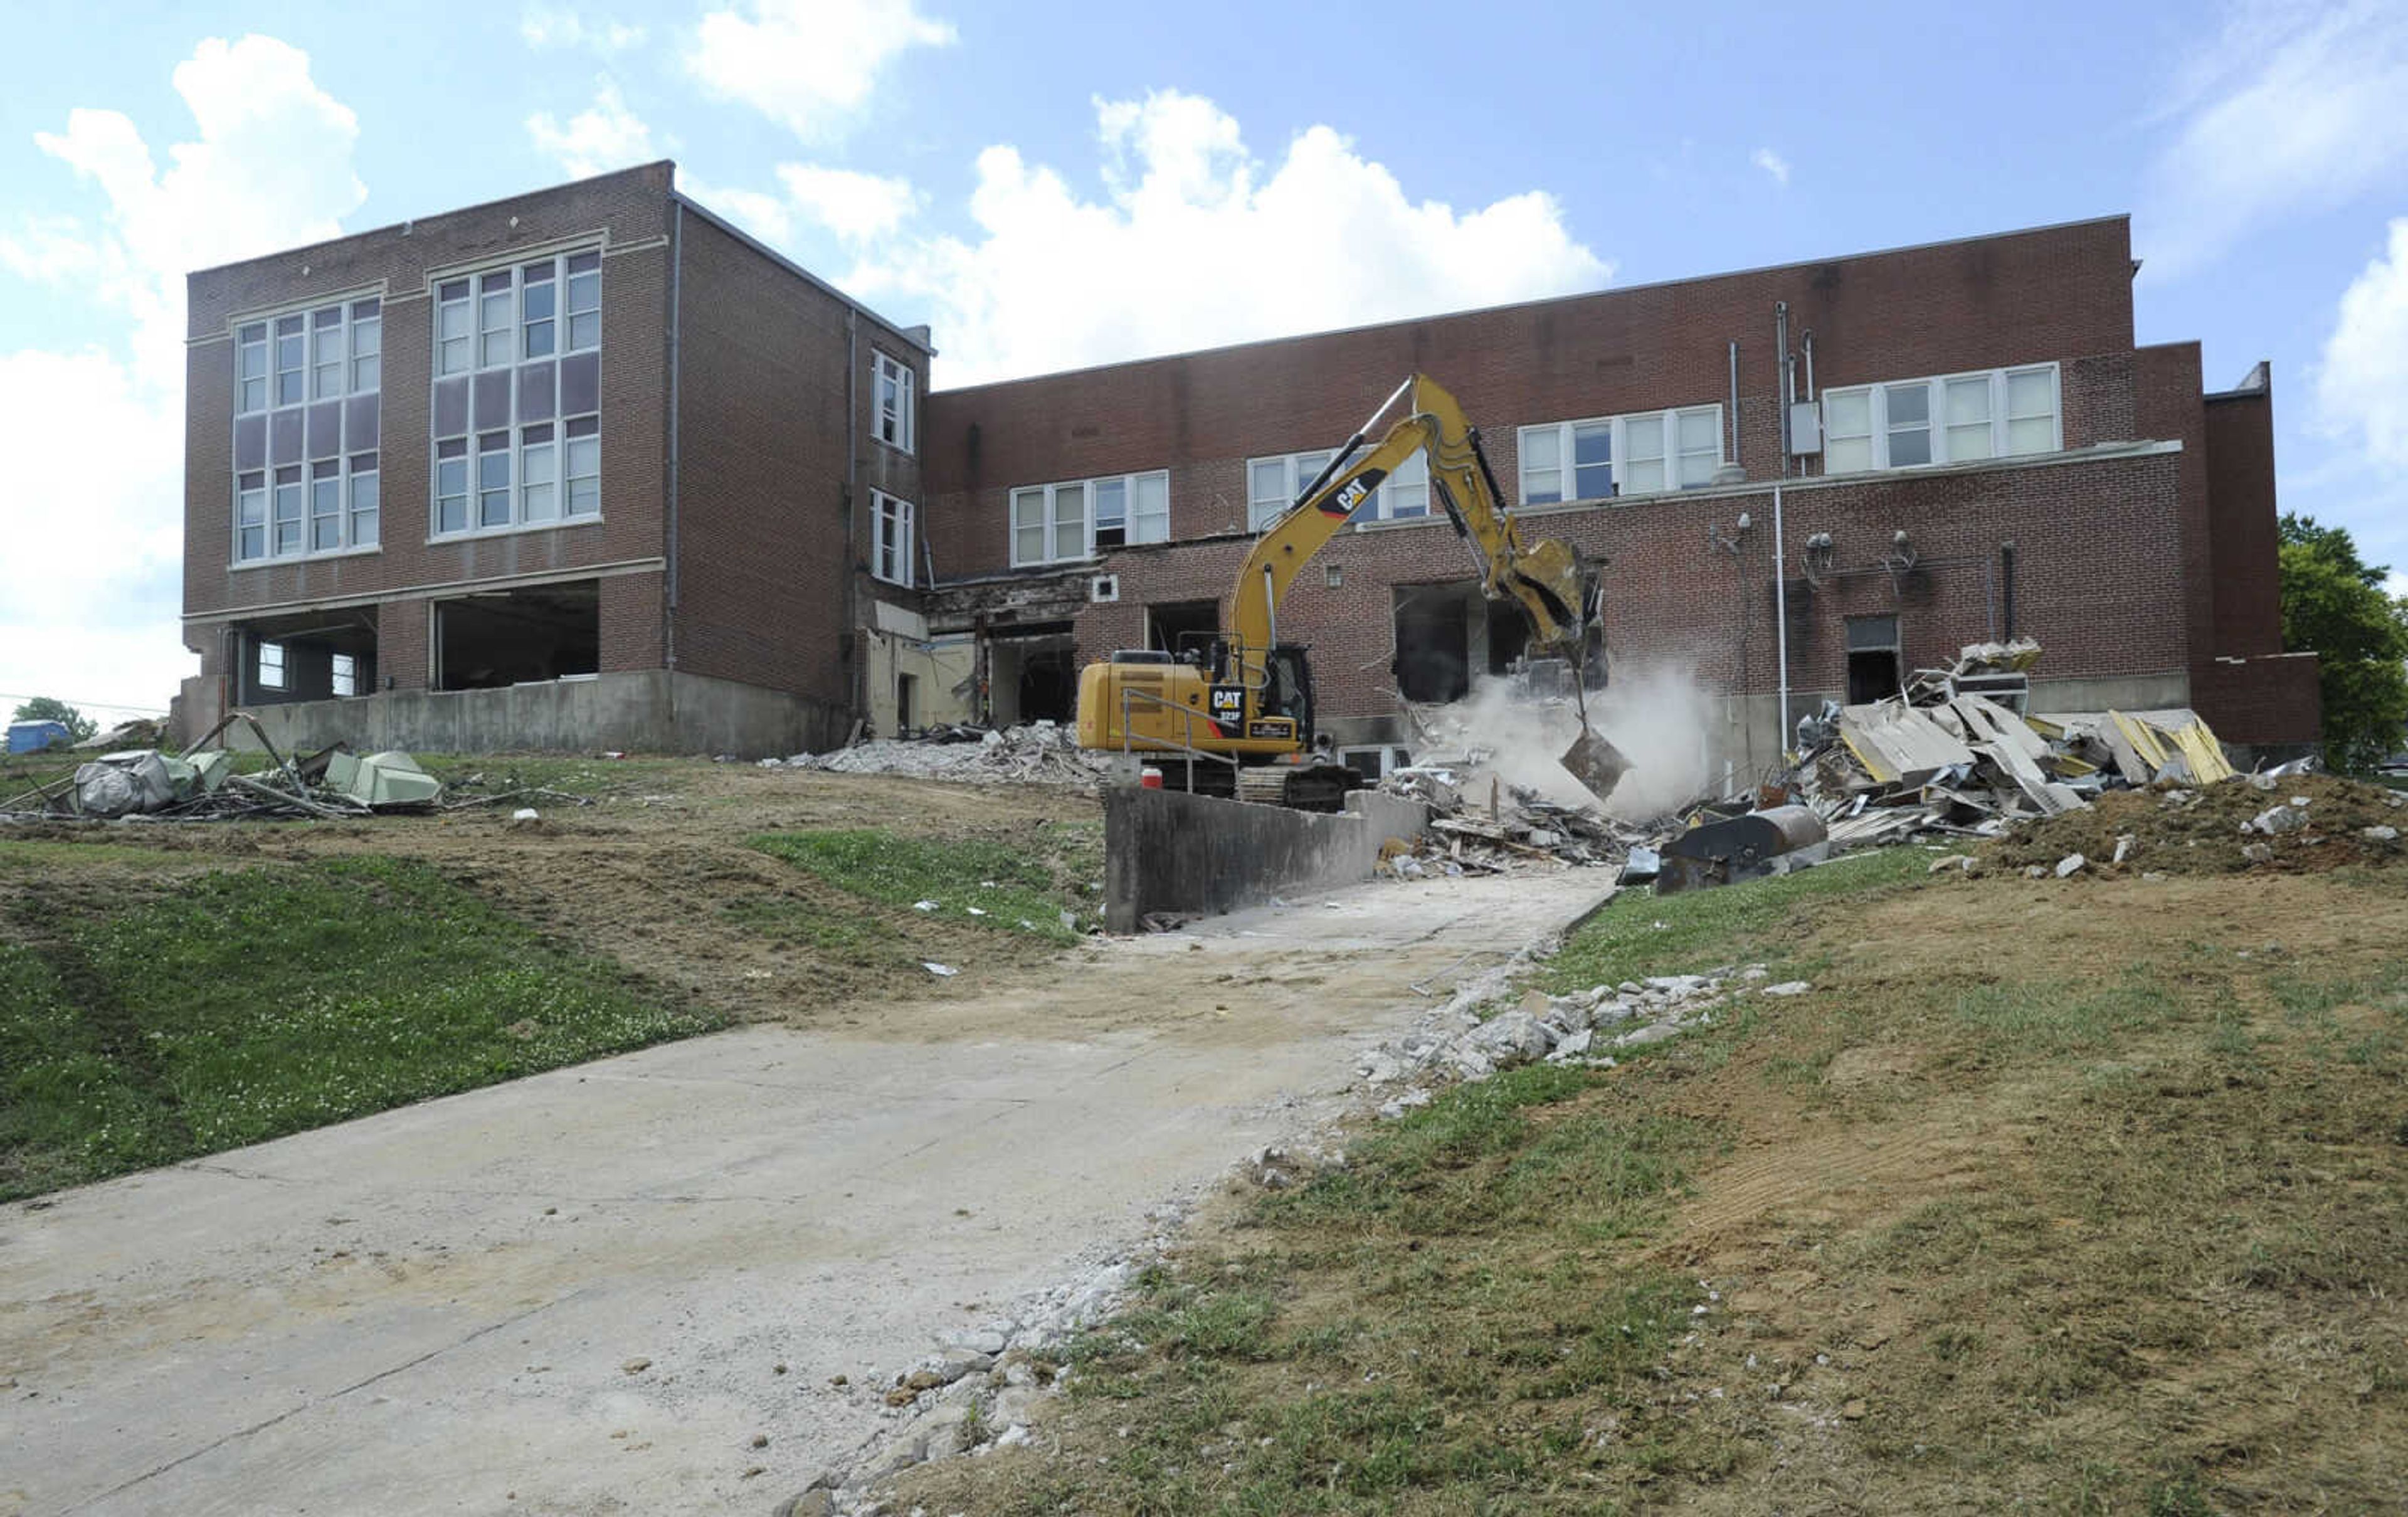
[(519, 636), (307, 659), (1873, 669), (1032, 674), (906, 687), (1509, 634), (1183, 628), (1434, 622)]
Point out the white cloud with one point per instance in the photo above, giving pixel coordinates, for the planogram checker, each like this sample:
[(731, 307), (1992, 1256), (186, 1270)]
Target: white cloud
[(807, 65), (856, 206), (1772, 163), (766, 216), (557, 26), (1198, 243), (97, 434), (603, 136), (2362, 383), (2292, 106)]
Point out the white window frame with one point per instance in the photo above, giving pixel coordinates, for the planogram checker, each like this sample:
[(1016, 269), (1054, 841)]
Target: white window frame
[(343, 673), (1142, 526), (2002, 421), (274, 672), (890, 557), (548, 313), (897, 422), (1404, 495), (339, 347), (1675, 458)]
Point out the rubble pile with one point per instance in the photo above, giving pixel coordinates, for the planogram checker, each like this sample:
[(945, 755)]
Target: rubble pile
[(2292, 824), (201, 784), (1038, 752), (1509, 827), (1953, 757)]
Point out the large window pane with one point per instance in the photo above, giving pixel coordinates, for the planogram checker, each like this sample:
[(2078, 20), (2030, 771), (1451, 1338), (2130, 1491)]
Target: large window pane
[(584, 466), (325, 429), (1407, 493), (537, 486), (1910, 423), (364, 501), (451, 486), (2031, 411), (249, 442), (1150, 513), (1069, 521), (452, 407), (1591, 459), (325, 508), (288, 511), (359, 423), (494, 480), (1642, 439), (1968, 409), (284, 438), (493, 402), (580, 385)]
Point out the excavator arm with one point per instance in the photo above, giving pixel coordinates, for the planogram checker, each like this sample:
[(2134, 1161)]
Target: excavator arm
[(1543, 578)]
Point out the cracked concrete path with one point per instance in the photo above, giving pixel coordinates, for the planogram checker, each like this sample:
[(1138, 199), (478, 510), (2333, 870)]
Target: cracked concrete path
[(434, 1309)]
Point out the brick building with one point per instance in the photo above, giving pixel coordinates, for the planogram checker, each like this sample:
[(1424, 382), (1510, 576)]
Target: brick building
[(774, 539), (582, 468)]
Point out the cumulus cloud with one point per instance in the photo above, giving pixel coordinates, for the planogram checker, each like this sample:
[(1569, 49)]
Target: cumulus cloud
[(603, 136), (97, 435), (1196, 242), (2291, 107), (855, 205), (2362, 383), (807, 65), (557, 26), (1772, 163)]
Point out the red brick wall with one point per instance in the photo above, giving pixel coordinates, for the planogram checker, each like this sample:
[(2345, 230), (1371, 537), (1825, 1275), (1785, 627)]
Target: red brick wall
[(626, 214), (2273, 701), (2061, 293), (763, 558), (2078, 528), (2170, 408), (2240, 450)]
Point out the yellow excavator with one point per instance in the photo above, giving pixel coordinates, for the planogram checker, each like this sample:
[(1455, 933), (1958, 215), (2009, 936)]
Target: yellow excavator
[(1233, 714)]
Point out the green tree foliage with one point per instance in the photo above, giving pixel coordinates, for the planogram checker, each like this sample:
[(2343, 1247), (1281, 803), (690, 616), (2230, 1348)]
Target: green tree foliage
[(2333, 604), (50, 709)]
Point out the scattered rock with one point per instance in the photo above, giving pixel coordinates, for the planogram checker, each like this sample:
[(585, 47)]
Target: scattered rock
[(2277, 819), (1855, 1410), (2379, 834), (2257, 853), (2124, 843), (637, 1367), (1652, 1033), (2071, 865), (1788, 987)]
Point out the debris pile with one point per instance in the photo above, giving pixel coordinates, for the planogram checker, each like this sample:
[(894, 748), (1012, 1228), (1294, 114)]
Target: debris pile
[(1036, 752), (202, 784), (1504, 828), (2287, 824), (1953, 757)]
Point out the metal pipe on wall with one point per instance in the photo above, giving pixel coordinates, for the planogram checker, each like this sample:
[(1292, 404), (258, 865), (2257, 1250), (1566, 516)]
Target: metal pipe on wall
[(1780, 551), (1734, 400)]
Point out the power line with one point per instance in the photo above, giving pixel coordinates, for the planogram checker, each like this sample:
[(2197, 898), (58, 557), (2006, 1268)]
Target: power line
[(92, 705)]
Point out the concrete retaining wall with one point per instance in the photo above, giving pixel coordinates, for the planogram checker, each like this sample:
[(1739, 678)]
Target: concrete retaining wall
[(1168, 850), (648, 711)]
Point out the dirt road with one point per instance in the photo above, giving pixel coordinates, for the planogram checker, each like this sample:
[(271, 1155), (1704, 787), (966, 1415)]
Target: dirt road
[(592, 1290)]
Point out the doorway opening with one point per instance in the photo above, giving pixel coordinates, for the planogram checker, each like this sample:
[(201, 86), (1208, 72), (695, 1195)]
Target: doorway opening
[(1874, 672)]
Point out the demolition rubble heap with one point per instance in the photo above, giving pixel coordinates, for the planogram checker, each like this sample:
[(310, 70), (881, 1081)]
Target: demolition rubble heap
[(1038, 752), (202, 784)]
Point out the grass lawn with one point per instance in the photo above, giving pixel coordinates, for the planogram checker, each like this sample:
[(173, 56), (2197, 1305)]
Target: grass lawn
[(2063, 1196), (1011, 886), (143, 1022)]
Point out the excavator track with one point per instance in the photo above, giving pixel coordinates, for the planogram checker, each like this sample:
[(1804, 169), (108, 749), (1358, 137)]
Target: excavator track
[(1300, 787)]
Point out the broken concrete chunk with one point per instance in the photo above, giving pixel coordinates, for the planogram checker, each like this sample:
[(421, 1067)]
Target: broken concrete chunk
[(2124, 843), (2276, 819), (1514, 1038), (1642, 1036), (2379, 834), (2071, 865), (1788, 987)]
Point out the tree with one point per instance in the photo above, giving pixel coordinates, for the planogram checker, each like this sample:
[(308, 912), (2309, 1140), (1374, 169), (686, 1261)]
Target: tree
[(50, 709), (2333, 604)]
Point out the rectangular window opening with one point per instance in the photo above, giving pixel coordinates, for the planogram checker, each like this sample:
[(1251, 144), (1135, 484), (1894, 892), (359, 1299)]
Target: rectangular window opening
[(487, 641)]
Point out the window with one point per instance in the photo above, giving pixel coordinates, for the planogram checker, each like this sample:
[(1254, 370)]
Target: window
[(1273, 484), (1621, 455), (892, 558), (344, 670), (1953, 419), (517, 381), (271, 665), (894, 392), (1053, 523), (305, 398)]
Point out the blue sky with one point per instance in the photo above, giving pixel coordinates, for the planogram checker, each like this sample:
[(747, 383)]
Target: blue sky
[(1052, 184)]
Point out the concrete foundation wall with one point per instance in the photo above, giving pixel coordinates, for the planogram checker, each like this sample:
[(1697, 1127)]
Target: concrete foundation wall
[(652, 711), (1168, 850)]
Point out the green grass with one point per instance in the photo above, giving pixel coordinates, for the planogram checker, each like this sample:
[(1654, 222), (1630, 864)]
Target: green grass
[(1018, 885), (577, 774), (248, 1004), (1641, 935)]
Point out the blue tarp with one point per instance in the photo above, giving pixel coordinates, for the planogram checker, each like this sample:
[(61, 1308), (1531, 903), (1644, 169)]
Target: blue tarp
[(32, 737)]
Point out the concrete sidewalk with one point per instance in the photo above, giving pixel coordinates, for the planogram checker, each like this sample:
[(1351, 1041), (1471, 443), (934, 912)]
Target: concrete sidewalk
[(434, 1309)]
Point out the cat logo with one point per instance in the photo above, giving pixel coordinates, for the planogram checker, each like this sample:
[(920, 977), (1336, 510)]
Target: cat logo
[(1353, 493), (1228, 704)]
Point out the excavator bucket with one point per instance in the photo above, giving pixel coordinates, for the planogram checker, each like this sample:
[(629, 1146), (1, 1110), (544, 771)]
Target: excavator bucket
[(1594, 763)]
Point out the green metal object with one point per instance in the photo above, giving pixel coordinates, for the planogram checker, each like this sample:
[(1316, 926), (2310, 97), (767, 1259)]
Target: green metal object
[(383, 779)]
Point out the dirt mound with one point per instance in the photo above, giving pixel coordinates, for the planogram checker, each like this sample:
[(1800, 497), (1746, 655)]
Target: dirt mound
[(2200, 830)]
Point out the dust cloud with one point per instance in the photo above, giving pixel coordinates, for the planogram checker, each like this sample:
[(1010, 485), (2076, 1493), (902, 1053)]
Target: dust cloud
[(1654, 714)]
